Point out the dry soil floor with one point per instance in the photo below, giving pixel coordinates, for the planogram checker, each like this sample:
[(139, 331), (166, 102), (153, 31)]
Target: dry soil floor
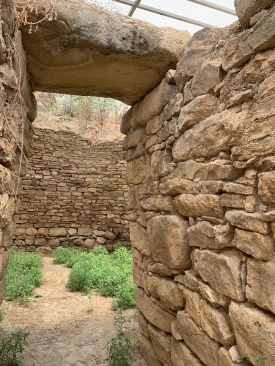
[(61, 329)]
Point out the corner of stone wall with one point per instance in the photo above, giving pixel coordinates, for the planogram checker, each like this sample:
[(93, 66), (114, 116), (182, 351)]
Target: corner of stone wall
[(17, 107), (201, 175)]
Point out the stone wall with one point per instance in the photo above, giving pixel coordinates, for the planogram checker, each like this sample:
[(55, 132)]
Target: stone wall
[(17, 110), (74, 193), (201, 174)]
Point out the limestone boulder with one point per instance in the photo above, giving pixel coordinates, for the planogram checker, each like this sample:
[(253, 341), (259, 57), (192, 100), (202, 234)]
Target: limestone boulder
[(169, 241), (260, 283), (88, 50), (257, 245), (222, 270), (246, 9), (255, 332), (199, 205), (182, 355)]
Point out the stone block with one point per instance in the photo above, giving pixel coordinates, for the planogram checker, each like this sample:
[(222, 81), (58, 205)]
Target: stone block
[(239, 98), (197, 340), (140, 239), (181, 355), (176, 186), (255, 332), (247, 221), (266, 188), (148, 351), (85, 231), (143, 325), (132, 139), (222, 270), (260, 283), (158, 203), (167, 291), (58, 231), (267, 86), (172, 109), (246, 9), (161, 344), (7, 207), (257, 245), (238, 188), (72, 231), (169, 241), (152, 312), (233, 200), (154, 125), (154, 102), (226, 360), (197, 110), (202, 235), (205, 80), (213, 297), (199, 205), (138, 169)]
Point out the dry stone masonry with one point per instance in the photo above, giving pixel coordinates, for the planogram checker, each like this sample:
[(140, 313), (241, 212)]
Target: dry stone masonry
[(74, 194), (200, 150)]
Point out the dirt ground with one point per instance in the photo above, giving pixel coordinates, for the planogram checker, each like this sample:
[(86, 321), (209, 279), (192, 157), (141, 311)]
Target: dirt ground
[(62, 329)]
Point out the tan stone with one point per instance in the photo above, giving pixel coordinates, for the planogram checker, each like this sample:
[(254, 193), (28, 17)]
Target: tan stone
[(239, 98), (205, 80), (7, 207), (162, 270), (176, 186), (215, 298), (158, 203), (239, 49), (224, 235), (176, 330), (266, 187), (58, 231), (213, 171), (237, 188), (246, 9), (169, 241), (85, 231), (143, 325), (233, 200), (200, 205), (255, 331), (148, 351), (195, 52), (215, 322), (182, 355), (31, 231), (247, 221), (137, 170), (172, 109), (154, 125), (206, 348), (260, 283), (140, 239), (197, 110), (132, 140), (257, 245), (211, 136), (161, 344), (152, 312), (222, 270), (72, 231), (201, 235), (267, 86), (167, 291)]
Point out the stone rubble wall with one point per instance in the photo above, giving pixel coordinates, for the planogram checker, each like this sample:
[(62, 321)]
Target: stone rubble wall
[(74, 194), (200, 151), (17, 111)]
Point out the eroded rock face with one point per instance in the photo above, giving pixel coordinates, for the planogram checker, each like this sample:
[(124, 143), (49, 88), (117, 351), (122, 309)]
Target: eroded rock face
[(90, 51), (246, 9)]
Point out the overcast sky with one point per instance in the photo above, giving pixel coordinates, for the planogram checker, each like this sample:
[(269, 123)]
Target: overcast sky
[(186, 9)]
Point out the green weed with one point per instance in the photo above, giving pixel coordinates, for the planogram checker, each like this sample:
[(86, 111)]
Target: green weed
[(11, 346), (110, 275), (23, 275), (121, 352)]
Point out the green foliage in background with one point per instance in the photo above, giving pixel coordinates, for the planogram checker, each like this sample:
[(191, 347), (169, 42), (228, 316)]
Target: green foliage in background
[(11, 346), (82, 107), (23, 275), (109, 274)]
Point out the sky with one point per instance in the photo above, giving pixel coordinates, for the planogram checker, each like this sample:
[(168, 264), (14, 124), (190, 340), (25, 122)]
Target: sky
[(186, 9)]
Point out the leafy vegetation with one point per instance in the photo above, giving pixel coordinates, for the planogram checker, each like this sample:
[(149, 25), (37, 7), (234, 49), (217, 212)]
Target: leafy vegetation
[(11, 346), (109, 274), (121, 352), (23, 275), (84, 108)]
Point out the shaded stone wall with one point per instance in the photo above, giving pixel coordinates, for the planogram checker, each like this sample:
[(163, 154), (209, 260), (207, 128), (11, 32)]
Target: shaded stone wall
[(17, 110), (74, 194), (201, 174)]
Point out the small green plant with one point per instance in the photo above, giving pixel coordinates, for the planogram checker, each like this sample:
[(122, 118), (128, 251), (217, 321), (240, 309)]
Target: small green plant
[(110, 275), (121, 352), (24, 274), (11, 346)]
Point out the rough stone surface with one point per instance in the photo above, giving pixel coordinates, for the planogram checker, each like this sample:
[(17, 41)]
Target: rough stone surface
[(182, 356), (200, 205), (161, 344), (260, 283), (266, 188), (247, 221), (246, 9), (169, 242), (254, 330), (63, 52)]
